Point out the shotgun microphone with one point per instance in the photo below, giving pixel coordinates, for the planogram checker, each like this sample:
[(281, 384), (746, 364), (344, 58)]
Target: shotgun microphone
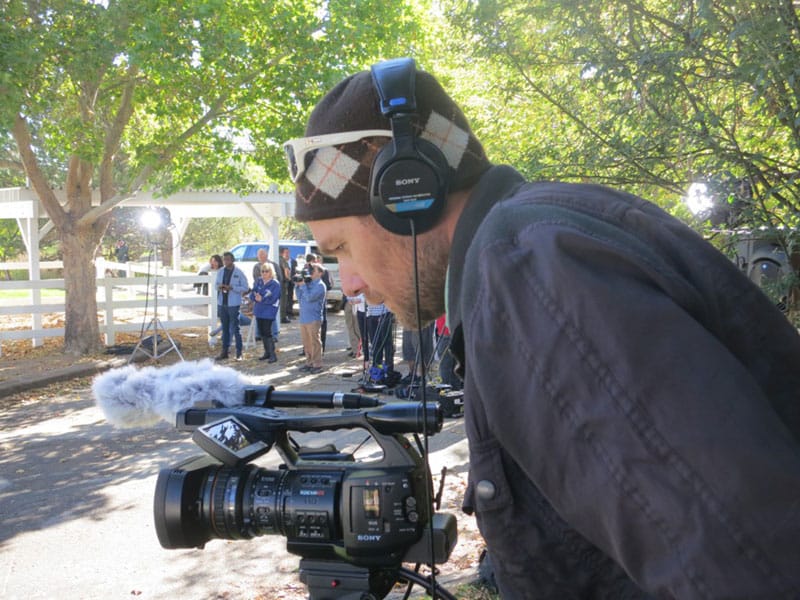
[(131, 397)]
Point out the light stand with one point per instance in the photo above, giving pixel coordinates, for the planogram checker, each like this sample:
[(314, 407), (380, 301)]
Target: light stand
[(152, 221)]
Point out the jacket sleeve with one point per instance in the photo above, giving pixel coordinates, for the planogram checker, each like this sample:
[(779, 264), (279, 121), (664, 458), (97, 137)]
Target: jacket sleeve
[(240, 284), (275, 288), (646, 435)]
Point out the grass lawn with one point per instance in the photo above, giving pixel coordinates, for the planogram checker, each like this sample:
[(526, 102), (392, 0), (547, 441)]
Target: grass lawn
[(25, 294)]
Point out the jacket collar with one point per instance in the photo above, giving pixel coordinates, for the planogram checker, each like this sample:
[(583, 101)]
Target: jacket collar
[(497, 184)]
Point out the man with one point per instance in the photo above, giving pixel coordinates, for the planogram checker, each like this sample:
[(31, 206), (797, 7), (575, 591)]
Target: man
[(311, 298), (287, 285), (121, 255), (379, 348), (631, 400), (316, 259), (231, 283)]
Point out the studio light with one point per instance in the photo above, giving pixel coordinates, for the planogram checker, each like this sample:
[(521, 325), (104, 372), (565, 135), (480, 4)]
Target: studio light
[(155, 219), (155, 222)]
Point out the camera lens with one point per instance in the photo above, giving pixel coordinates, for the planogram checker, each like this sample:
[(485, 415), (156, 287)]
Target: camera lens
[(200, 500)]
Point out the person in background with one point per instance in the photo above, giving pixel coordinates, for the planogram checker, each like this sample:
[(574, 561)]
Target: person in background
[(214, 264), (447, 363), (262, 259), (266, 296), (631, 398), (121, 255), (359, 303), (287, 285), (326, 279), (311, 298), (231, 284), (380, 332), (410, 347), (351, 326)]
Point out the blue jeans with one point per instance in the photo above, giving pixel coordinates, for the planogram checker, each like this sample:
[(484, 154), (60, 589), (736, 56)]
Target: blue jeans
[(229, 316)]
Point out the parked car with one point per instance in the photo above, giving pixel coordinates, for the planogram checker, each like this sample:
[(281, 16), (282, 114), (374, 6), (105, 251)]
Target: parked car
[(246, 256), (761, 256)]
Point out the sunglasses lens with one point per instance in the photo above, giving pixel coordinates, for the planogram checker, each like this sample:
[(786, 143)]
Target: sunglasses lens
[(291, 161)]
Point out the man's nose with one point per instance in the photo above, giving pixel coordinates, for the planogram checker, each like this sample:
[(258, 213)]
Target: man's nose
[(352, 284)]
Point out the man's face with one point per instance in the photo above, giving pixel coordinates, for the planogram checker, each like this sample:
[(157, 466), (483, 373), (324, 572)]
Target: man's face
[(227, 261), (379, 264), (262, 255)]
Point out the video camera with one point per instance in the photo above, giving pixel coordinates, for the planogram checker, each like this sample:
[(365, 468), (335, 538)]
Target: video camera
[(303, 274), (353, 523)]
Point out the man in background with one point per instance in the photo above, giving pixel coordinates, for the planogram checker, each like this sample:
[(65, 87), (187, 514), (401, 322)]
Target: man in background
[(231, 284), (286, 269), (311, 298)]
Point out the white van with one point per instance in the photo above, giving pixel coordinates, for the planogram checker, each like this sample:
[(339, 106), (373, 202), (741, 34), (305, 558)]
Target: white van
[(246, 257)]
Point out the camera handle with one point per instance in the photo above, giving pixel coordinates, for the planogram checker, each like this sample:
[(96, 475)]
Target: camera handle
[(333, 580)]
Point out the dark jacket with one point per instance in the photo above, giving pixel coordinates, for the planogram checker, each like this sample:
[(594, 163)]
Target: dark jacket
[(632, 401)]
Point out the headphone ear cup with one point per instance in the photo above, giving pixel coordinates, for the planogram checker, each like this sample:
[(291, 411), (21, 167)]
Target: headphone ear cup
[(410, 187)]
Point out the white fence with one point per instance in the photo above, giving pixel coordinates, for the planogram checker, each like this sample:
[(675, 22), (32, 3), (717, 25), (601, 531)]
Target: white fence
[(124, 304)]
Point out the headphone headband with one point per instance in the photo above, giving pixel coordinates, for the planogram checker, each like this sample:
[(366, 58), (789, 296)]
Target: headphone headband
[(394, 80)]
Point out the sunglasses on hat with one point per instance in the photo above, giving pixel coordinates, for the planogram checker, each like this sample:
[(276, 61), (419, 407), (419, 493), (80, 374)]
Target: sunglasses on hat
[(300, 151)]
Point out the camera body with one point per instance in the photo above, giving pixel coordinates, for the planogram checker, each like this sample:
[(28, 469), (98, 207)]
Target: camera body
[(374, 514), (303, 274)]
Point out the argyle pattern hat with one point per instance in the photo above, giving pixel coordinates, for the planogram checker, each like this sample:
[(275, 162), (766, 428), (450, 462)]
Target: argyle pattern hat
[(336, 182)]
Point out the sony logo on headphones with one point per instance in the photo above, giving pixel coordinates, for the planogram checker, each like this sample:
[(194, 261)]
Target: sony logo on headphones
[(411, 181)]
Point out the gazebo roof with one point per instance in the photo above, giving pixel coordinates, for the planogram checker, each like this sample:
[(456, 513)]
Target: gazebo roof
[(18, 203)]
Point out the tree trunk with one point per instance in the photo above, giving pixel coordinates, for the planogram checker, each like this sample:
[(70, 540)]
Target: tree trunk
[(82, 332)]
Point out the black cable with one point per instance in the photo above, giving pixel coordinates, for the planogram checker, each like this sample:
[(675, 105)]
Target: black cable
[(423, 379), (427, 583)]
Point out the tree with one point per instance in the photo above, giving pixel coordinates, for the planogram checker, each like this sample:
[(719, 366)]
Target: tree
[(647, 94), (103, 99)]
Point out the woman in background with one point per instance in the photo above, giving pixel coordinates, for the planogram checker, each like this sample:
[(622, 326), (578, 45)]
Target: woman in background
[(266, 297)]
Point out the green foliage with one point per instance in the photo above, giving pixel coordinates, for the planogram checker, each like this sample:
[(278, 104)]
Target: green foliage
[(646, 95), (205, 237), (130, 94), (292, 229), (216, 84), (11, 244)]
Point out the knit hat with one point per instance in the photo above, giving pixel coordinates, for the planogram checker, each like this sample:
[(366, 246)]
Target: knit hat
[(336, 183)]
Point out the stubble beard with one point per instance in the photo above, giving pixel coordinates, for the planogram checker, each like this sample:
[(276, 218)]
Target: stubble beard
[(433, 253)]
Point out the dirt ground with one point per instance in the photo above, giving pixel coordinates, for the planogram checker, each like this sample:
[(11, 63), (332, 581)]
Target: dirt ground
[(76, 494)]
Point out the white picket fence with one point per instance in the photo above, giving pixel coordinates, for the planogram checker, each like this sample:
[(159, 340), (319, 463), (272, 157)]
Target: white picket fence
[(124, 304)]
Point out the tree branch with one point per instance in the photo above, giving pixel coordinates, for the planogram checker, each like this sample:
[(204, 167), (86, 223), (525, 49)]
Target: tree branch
[(114, 135), (38, 181), (12, 165)]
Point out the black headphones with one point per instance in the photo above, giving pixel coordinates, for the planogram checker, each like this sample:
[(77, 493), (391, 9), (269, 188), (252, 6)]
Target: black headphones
[(408, 181)]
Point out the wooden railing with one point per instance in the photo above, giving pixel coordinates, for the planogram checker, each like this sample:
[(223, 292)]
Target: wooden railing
[(124, 304)]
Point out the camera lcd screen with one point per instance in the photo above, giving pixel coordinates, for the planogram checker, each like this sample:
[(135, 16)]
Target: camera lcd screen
[(230, 441), (372, 502), (229, 433)]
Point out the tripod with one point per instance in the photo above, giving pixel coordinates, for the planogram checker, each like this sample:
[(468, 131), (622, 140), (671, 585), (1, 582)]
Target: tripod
[(155, 323)]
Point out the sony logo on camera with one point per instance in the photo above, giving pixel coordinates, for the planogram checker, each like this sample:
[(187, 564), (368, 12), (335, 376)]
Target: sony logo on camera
[(409, 181), (368, 538)]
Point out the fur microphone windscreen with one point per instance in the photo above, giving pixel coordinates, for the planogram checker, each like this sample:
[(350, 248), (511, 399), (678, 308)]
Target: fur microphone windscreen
[(133, 397)]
